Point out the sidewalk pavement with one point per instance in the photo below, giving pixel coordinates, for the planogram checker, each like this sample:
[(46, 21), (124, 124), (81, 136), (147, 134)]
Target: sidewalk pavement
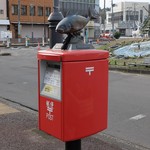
[(19, 131)]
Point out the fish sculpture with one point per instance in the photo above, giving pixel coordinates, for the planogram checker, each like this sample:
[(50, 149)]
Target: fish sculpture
[(73, 23)]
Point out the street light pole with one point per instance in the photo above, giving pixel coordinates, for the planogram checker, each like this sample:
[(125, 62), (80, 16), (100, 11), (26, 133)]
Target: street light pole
[(19, 32), (54, 18)]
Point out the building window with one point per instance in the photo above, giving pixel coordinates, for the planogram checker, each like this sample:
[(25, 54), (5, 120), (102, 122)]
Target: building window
[(109, 19), (134, 16), (40, 11), (1, 11), (118, 16), (91, 1), (23, 10), (14, 10), (47, 11), (32, 10)]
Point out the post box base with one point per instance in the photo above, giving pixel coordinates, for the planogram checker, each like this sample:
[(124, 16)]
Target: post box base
[(73, 145)]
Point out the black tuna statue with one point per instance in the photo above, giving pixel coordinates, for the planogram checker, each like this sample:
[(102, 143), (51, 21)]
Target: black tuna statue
[(72, 26)]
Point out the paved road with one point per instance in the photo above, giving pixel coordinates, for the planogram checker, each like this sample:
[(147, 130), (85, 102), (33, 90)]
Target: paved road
[(129, 98), (19, 131), (129, 107), (18, 76)]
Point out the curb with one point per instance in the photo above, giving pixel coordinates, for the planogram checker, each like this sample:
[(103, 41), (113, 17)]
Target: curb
[(5, 54), (128, 70), (23, 44)]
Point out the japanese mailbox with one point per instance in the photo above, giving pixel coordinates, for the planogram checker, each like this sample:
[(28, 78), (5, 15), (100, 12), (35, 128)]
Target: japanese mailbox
[(73, 92)]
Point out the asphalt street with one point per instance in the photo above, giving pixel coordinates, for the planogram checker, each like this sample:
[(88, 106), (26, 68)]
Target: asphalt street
[(19, 131), (129, 98)]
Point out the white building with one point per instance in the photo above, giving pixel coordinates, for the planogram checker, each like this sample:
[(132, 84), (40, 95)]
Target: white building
[(3, 18), (127, 16)]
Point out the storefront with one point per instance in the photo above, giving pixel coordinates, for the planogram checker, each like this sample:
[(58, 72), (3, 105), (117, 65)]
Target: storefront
[(3, 29)]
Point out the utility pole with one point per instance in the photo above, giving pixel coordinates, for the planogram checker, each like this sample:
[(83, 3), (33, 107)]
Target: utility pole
[(19, 32), (104, 15), (134, 16), (112, 16), (32, 11), (44, 21), (44, 24)]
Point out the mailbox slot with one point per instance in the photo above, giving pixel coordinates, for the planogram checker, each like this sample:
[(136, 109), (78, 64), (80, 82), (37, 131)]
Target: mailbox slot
[(50, 76)]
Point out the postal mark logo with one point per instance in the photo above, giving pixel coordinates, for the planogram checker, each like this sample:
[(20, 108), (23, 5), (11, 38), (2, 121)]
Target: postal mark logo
[(89, 70)]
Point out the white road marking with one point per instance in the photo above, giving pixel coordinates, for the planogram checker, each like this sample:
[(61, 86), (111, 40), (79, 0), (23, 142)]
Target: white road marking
[(138, 117)]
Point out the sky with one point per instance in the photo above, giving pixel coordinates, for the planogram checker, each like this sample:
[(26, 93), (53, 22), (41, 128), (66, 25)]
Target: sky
[(108, 2)]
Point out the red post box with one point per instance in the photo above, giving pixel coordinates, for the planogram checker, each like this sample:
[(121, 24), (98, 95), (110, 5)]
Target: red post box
[(73, 92)]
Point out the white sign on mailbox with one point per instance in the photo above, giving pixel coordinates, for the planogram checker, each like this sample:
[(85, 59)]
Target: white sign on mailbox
[(52, 83)]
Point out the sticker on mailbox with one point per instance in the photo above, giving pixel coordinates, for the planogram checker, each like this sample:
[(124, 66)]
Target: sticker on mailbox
[(50, 110), (52, 82)]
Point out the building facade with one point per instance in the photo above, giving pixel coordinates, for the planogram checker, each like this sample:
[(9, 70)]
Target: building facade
[(4, 22), (32, 15), (78, 6), (127, 16), (81, 7)]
